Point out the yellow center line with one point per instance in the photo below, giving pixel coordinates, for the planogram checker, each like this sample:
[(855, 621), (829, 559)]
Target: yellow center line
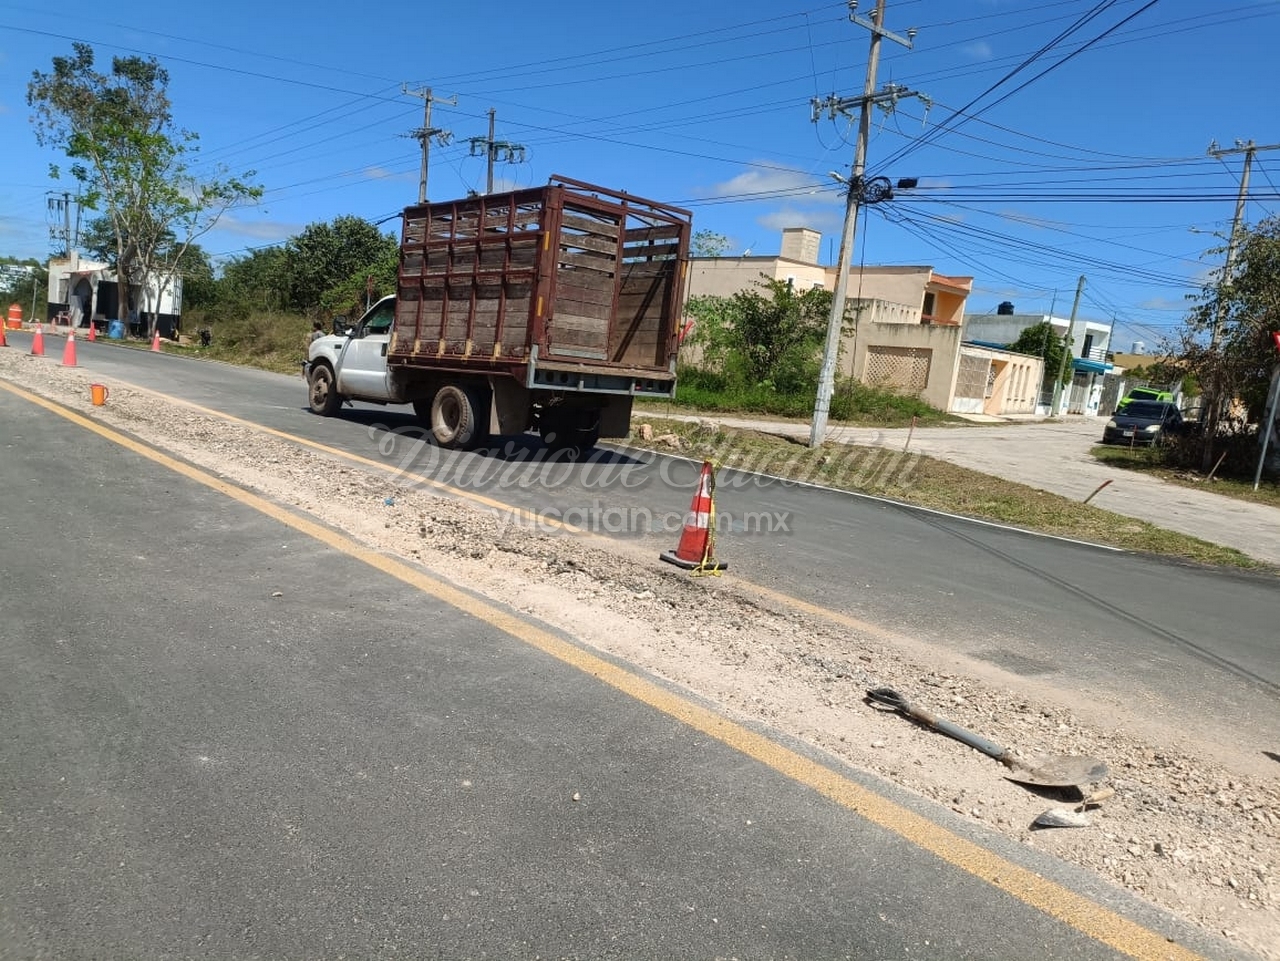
[(1056, 901)]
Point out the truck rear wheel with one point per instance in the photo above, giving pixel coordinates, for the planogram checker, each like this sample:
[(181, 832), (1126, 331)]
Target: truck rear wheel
[(459, 417), (322, 392)]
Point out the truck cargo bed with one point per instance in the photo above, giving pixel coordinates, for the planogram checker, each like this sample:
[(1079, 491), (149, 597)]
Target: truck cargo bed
[(563, 275)]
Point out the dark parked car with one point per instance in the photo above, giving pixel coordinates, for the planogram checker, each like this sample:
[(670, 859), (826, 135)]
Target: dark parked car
[(1144, 422)]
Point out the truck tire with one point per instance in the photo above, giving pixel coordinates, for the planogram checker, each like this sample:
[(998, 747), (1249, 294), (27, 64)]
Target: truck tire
[(459, 417), (322, 391)]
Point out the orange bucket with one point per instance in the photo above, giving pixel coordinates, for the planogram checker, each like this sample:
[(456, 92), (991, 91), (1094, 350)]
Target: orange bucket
[(98, 393)]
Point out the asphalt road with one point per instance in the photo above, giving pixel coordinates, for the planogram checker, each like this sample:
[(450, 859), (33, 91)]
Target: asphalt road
[(1180, 646), (225, 739)]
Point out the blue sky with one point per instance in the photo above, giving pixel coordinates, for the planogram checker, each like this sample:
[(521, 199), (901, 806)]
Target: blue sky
[(1097, 168)]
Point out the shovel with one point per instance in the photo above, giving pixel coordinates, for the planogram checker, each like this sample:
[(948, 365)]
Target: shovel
[(1046, 771)]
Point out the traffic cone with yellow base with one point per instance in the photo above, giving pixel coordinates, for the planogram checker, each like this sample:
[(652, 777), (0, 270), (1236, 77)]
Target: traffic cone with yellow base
[(696, 550)]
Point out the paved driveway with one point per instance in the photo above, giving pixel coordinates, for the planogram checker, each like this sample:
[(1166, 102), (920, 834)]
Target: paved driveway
[(1054, 456)]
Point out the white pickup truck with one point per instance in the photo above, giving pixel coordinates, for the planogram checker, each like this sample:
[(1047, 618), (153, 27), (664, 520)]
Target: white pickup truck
[(550, 308)]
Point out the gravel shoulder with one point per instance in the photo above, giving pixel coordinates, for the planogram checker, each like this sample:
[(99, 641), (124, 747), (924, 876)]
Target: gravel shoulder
[(1182, 830), (1054, 456)]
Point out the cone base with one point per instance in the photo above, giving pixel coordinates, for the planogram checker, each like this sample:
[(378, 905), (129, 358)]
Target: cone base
[(709, 564)]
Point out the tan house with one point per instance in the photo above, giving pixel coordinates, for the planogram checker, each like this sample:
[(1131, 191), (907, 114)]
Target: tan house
[(903, 326)]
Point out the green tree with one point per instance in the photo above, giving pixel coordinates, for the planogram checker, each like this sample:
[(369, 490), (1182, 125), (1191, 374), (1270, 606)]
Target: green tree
[(369, 284), (1245, 308), (770, 335), (328, 255), (252, 283), (1039, 340), (199, 288), (708, 243), (131, 161)]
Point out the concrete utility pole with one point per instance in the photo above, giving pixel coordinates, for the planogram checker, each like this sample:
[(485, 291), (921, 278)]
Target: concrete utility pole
[(1248, 149), (859, 191), (494, 149), (426, 133), (1066, 350)]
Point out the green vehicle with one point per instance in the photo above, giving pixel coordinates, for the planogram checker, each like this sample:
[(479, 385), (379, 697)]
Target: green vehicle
[(1145, 393)]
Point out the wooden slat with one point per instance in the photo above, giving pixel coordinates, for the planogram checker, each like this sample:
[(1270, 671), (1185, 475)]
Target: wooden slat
[(663, 232), (590, 225), (593, 262), (582, 294), (651, 252), (602, 245), (567, 321)]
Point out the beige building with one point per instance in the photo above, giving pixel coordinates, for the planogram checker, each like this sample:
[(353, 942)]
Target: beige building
[(903, 326)]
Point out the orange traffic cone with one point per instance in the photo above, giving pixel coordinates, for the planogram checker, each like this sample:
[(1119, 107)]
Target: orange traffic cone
[(696, 550), (3, 342), (155, 342), (93, 332), (69, 352), (37, 343)]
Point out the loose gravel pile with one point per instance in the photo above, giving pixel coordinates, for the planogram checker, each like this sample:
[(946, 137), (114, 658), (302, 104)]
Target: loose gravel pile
[(1182, 831)]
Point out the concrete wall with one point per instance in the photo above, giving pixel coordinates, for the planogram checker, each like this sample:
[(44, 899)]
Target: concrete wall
[(996, 382), (725, 276), (882, 352)]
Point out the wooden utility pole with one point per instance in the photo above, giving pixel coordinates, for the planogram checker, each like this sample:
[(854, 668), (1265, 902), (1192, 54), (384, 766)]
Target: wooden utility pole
[(426, 133), (857, 188)]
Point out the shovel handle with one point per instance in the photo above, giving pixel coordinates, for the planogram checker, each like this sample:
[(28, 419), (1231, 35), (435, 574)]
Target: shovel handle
[(892, 698)]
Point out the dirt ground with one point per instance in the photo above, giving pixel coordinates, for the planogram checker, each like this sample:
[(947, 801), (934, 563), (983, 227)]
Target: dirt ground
[(1181, 831)]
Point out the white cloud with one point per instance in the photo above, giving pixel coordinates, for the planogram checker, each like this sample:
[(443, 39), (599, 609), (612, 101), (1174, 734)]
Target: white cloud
[(828, 221), (979, 50), (758, 181), (258, 230)]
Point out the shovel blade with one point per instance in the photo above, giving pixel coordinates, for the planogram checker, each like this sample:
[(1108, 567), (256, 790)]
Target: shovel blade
[(1059, 771), (1061, 818)]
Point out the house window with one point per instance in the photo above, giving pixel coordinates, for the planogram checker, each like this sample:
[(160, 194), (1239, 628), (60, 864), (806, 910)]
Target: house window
[(1088, 346), (928, 308)]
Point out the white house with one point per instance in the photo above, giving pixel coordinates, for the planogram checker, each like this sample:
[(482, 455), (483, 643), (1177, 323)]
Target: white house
[(1090, 345), (81, 290)]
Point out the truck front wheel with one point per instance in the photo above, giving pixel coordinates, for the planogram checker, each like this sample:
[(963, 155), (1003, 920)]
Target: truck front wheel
[(459, 417), (323, 392)]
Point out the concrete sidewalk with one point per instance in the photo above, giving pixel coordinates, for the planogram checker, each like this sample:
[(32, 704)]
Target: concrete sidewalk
[(1054, 456)]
